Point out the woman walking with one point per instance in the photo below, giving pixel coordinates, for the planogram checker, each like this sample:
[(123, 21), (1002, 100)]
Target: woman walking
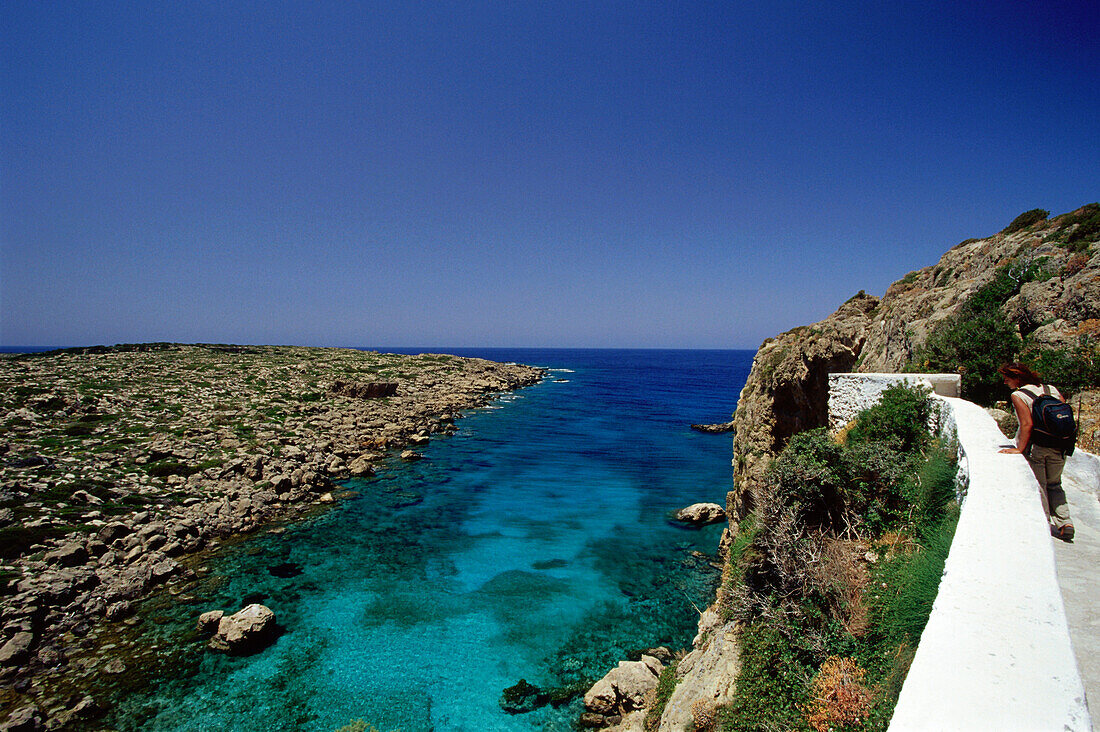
[(1045, 462)]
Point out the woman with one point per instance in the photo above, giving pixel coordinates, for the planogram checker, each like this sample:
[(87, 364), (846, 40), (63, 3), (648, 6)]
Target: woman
[(1045, 462)]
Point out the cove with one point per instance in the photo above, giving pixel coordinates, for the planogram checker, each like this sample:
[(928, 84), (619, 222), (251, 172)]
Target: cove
[(535, 543)]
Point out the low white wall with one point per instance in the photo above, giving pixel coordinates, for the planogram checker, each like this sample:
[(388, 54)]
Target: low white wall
[(996, 652), (849, 394)]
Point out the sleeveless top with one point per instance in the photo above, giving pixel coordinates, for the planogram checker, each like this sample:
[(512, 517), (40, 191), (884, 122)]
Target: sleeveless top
[(1028, 392)]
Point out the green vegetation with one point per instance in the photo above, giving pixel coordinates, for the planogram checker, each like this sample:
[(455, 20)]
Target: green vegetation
[(836, 570), (1026, 219), (976, 340), (1087, 231), (1072, 369)]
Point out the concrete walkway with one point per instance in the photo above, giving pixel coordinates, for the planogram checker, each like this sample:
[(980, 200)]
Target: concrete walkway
[(1078, 565)]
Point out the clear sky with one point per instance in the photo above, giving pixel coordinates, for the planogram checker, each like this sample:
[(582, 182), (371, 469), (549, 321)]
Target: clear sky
[(672, 174)]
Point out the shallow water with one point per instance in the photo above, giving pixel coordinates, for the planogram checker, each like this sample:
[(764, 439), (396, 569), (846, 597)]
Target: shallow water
[(533, 544)]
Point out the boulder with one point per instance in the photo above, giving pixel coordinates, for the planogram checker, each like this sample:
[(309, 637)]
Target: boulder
[(23, 719), (411, 456), (68, 555), (119, 610), (208, 622), (16, 649), (360, 467), (113, 531), (701, 514), (246, 631), (624, 688)]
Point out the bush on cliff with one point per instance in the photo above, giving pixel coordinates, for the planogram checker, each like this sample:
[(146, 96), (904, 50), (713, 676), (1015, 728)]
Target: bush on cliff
[(978, 338), (900, 418), (805, 589), (1026, 219), (1071, 369)]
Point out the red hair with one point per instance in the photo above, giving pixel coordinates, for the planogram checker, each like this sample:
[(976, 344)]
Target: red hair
[(1021, 373)]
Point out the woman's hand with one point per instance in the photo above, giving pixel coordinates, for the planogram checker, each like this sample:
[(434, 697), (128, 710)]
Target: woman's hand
[(1012, 451)]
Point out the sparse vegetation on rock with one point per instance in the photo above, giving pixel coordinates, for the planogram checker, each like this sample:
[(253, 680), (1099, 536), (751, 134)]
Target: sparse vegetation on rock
[(115, 462)]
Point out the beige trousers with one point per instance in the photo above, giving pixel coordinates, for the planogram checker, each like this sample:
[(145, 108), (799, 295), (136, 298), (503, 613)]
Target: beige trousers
[(1047, 464)]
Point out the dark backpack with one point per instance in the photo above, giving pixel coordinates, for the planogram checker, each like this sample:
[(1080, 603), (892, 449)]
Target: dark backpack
[(1052, 422)]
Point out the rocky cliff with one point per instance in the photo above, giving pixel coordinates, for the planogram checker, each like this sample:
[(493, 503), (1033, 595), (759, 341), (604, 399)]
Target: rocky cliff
[(1057, 306)]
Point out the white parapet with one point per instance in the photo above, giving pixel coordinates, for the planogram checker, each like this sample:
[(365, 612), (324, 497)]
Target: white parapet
[(849, 394), (996, 652)]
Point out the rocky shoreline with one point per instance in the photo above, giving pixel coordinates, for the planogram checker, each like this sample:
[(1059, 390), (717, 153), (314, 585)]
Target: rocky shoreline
[(117, 464)]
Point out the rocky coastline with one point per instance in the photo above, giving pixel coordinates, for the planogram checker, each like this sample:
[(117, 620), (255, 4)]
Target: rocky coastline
[(119, 464), (787, 392)]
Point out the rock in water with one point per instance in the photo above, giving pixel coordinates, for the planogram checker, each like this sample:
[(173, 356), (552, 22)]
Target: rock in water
[(713, 429), (523, 698), (246, 631), (701, 514), (624, 688), (208, 622)]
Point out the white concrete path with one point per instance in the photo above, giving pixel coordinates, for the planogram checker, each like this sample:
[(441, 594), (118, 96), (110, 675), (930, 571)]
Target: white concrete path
[(1078, 566)]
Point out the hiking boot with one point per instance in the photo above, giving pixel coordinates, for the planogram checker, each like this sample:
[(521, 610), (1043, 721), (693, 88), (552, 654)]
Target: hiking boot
[(1065, 533)]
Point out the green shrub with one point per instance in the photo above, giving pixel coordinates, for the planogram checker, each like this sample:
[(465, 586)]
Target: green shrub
[(900, 417), (932, 490), (974, 347), (810, 475), (164, 469), (1087, 221), (772, 683), (977, 339), (1026, 219), (1070, 369)]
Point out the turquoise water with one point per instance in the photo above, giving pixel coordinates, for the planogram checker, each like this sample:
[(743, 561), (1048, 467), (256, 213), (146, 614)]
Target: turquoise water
[(534, 543)]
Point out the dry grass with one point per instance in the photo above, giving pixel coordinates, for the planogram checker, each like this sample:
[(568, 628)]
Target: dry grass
[(839, 698)]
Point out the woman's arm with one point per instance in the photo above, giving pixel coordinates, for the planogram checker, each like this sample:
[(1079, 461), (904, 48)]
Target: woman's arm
[(1023, 415)]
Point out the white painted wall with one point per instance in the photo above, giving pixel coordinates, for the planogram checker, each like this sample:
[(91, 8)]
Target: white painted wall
[(850, 394), (996, 652)]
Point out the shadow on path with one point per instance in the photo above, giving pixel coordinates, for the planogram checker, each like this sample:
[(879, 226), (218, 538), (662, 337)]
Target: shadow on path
[(1079, 572)]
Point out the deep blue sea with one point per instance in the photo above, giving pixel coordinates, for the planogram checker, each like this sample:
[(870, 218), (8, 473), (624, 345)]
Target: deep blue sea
[(533, 544)]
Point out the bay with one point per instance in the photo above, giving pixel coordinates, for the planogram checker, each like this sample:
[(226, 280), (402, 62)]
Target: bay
[(534, 544)]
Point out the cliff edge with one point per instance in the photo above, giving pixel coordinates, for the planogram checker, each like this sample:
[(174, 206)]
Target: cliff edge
[(1046, 271)]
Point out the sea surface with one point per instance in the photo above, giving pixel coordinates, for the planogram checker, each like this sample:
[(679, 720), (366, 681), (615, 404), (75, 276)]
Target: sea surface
[(533, 544)]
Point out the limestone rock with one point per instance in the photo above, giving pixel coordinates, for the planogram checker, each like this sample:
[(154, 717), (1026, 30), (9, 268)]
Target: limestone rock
[(16, 649), (68, 555), (701, 514), (208, 622), (788, 391), (410, 456), (706, 676), (360, 467), (246, 631), (23, 719), (624, 688)]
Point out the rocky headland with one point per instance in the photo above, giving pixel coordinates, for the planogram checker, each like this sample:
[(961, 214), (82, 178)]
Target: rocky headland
[(1048, 276), (119, 463)]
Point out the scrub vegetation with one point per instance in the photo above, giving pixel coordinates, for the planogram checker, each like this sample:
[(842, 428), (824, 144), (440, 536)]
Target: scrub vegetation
[(834, 573), (978, 338)]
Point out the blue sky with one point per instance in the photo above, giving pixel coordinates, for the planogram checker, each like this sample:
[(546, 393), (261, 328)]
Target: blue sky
[(621, 174)]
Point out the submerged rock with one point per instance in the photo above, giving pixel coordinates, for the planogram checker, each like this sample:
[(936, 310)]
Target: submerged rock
[(246, 631), (523, 698)]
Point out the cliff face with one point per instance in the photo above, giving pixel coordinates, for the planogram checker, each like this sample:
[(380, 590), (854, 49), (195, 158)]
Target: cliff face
[(787, 389)]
